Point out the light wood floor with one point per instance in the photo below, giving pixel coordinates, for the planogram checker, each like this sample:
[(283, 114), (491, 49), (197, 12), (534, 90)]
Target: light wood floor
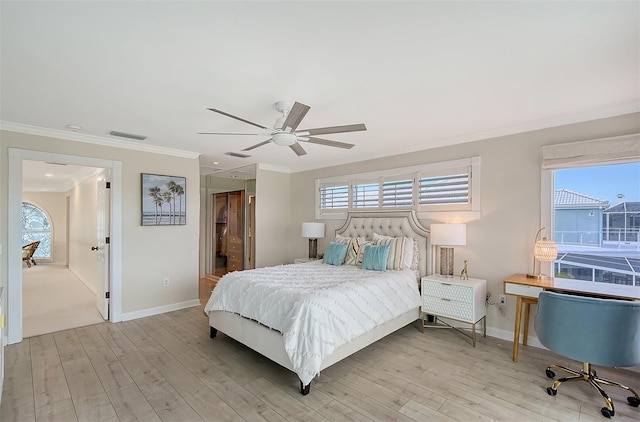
[(167, 368)]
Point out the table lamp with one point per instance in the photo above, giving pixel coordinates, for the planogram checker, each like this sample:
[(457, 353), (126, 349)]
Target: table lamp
[(313, 231), (446, 236), (544, 250)]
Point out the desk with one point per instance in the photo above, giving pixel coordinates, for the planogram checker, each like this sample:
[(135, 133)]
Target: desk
[(526, 290)]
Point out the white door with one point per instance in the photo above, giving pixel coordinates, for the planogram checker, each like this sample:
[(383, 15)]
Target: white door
[(102, 248)]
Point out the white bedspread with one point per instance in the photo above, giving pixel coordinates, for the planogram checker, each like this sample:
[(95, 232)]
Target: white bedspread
[(316, 307)]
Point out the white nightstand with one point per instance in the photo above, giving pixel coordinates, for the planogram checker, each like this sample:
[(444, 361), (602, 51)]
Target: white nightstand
[(456, 299), (303, 260)]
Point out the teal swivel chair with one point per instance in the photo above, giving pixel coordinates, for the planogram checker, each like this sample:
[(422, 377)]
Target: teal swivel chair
[(594, 331)]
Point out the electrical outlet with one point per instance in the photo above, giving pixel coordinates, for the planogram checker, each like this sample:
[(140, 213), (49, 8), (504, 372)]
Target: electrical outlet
[(503, 300), (165, 281)]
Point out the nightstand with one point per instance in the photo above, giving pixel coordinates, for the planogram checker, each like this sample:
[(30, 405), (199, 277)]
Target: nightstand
[(303, 260), (455, 299)]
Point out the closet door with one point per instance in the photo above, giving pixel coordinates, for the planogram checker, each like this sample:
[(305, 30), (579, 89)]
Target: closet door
[(235, 234), (221, 209)]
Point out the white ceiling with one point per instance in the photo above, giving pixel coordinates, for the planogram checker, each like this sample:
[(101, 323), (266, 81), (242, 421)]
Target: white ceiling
[(418, 74)]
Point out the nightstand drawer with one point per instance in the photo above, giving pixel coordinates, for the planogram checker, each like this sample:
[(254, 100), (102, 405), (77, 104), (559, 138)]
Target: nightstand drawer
[(448, 291), (447, 308)]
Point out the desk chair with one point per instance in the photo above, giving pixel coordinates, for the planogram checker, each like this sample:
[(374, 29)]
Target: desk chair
[(595, 331)]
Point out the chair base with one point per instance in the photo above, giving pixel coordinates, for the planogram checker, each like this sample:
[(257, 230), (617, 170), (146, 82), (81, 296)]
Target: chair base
[(589, 375)]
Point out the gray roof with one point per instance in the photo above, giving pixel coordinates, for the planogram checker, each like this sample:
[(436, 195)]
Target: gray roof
[(569, 197)]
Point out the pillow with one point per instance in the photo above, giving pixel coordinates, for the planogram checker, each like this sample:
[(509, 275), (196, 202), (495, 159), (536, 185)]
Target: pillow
[(355, 244), (375, 257), (334, 255), (400, 251)]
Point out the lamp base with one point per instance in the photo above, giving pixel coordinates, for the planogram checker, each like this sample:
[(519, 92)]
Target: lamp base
[(313, 248), (446, 261)]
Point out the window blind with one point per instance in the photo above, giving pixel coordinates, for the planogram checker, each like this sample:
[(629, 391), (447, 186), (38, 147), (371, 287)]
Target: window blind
[(446, 189), (366, 195), (617, 150), (334, 197), (397, 193)]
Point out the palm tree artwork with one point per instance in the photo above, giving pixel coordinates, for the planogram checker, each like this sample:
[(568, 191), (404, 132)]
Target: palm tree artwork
[(163, 200)]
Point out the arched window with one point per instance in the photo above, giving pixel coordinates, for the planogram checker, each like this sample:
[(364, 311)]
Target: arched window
[(36, 226)]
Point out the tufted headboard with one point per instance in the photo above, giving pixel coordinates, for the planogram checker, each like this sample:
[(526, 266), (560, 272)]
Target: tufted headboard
[(400, 223)]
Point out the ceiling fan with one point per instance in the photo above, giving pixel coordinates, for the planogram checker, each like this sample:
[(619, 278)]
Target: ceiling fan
[(285, 130)]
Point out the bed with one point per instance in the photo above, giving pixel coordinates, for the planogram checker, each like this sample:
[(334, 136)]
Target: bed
[(277, 323)]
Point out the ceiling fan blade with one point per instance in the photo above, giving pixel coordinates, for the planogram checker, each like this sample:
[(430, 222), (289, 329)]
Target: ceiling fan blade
[(228, 133), (295, 116), (330, 143), (215, 110), (257, 145), (297, 148), (333, 129)]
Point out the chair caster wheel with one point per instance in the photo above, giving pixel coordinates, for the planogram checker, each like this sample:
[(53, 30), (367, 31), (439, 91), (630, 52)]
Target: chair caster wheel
[(633, 401), (551, 391), (550, 373), (606, 412)]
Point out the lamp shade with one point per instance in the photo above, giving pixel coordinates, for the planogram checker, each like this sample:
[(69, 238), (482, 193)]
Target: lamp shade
[(449, 234), (313, 230), (545, 250)]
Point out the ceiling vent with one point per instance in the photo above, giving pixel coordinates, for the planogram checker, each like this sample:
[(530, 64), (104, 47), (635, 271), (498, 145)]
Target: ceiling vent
[(237, 154), (127, 135)]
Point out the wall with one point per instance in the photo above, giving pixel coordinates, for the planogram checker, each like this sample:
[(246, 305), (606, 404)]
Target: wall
[(275, 232), (54, 204), (148, 253), (500, 243)]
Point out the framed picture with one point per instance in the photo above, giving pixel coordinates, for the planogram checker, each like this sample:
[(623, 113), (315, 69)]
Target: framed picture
[(163, 200)]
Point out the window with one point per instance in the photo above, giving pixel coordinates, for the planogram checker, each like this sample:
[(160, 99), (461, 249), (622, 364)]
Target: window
[(366, 195), (445, 186), (334, 198), (36, 226), (445, 189), (595, 209)]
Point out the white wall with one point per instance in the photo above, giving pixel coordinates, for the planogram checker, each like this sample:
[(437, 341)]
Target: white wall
[(274, 229), (500, 243), (148, 253), (54, 204)]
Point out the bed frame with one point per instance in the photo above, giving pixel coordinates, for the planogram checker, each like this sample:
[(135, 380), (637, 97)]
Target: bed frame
[(269, 342)]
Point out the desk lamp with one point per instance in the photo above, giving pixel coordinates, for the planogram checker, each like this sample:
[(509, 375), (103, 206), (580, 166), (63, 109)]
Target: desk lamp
[(544, 250)]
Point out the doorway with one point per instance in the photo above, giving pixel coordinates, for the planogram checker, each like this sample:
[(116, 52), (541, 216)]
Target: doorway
[(60, 293), (14, 267)]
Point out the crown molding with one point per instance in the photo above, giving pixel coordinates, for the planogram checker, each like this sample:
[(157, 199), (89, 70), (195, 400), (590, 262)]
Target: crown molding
[(92, 139)]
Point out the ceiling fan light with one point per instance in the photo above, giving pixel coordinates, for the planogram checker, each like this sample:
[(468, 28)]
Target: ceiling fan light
[(284, 139)]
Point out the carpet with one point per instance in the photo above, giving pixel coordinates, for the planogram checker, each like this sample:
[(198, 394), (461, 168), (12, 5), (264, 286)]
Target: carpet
[(54, 299)]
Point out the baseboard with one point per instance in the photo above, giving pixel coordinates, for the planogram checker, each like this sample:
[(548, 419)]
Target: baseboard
[(127, 316), (83, 281)]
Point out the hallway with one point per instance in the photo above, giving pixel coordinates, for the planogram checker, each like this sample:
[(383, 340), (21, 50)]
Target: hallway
[(54, 299)]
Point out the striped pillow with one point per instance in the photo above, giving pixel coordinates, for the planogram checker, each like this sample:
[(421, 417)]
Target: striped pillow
[(355, 244), (400, 251)]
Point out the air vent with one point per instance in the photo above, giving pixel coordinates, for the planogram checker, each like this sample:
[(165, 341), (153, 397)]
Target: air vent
[(237, 154), (127, 135)]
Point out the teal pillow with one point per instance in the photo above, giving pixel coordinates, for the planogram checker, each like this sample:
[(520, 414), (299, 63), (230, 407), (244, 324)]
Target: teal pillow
[(375, 257), (335, 253)]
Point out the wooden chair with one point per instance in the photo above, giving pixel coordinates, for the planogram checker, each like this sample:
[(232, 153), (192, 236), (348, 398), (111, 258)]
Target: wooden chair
[(28, 251)]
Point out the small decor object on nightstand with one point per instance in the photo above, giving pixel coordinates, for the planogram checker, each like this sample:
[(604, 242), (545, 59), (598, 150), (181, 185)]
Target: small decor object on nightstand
[(464, 274)]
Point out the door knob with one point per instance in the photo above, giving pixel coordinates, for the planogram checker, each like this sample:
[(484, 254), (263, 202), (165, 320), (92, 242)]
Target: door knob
[(94, 248)]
